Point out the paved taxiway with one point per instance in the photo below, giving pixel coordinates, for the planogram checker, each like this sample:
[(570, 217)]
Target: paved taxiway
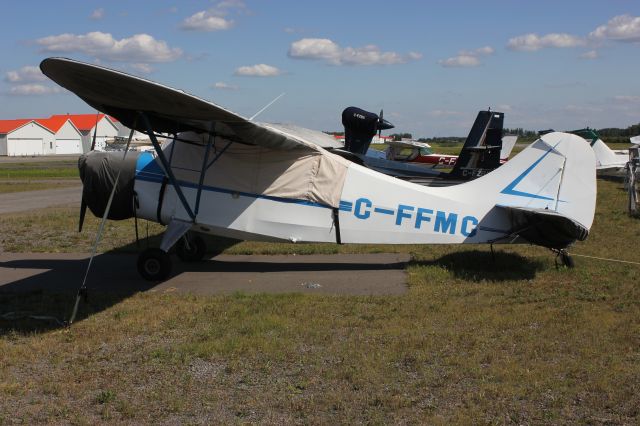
[(14, 202), (354, 274)]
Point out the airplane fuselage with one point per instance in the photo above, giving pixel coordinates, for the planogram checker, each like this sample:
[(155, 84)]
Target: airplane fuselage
[(373, 208)]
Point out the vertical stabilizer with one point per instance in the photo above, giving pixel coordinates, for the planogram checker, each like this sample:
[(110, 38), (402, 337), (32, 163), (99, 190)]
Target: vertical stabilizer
[(606, 158), (481, 151), (360, 127)]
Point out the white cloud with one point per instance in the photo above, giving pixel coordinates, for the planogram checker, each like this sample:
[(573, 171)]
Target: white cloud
[(482, 51), (97, 14), (467, 58), (259, 70), (224, 86), (624, 28), (206, 21), (591, 54), (214, 18), (143, 68), (532, 42), (28, 74), (139, 48), (460, 61), (33, 90), (330, 52)]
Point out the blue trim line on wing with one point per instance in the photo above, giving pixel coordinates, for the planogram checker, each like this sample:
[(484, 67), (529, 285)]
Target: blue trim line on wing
[(509, 189), (158, 179)]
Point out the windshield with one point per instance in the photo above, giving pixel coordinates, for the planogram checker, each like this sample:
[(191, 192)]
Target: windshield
[(425, 151)]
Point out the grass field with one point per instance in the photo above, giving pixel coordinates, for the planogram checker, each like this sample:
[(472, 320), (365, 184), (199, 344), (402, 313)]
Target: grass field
[(473, 341), (36, 175)]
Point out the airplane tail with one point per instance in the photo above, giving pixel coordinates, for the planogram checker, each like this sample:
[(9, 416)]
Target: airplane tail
[(508, 142), (548, 191), (481, 151), (360, 127), (606, 158)]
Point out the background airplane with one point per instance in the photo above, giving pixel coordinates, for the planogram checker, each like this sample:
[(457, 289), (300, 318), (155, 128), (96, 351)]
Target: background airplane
[(608, 161), (482, 151)]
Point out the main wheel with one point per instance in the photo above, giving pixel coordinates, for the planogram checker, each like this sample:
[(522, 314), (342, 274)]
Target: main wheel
[(154, 265), (195, 252)]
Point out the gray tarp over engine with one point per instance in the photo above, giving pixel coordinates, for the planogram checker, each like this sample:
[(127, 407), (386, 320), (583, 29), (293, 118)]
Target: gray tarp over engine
[(98, 173)]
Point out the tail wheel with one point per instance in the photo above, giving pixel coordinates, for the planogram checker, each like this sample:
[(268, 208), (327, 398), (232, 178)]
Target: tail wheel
[(567, 260), (154, 265), (195, 252)]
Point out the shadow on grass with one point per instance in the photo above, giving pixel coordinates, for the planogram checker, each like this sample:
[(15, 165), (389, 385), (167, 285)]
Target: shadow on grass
[(476, 265), (44, 300), (46, 284)]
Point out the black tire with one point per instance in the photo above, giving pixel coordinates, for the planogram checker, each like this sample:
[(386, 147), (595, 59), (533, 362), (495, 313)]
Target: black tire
[(154, 265), (567, 260), (196, 251)]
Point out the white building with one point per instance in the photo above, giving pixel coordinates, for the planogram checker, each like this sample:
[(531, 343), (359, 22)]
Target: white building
[(59, 134), (86, 125), (25, 137), (67, 137)]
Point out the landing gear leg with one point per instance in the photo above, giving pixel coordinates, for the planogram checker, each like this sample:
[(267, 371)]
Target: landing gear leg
[(191, 248)]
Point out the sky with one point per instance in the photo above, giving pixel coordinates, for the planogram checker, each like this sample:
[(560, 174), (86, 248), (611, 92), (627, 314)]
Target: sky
[(430, 65)]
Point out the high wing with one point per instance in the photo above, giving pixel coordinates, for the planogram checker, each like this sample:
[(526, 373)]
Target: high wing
[(169, 110)]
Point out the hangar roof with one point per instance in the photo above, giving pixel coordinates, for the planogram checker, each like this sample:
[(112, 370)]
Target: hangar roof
[(53, 123), (83, 122), (7, 126)]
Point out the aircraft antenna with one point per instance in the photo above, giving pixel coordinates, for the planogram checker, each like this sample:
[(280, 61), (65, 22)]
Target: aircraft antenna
[(266, 106)]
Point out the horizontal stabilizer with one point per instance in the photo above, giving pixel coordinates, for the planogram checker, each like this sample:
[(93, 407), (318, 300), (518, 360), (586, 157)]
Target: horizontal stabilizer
[(546, 228)]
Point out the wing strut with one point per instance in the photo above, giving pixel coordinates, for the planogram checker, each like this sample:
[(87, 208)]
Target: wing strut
[(167, 167), (204, 167)]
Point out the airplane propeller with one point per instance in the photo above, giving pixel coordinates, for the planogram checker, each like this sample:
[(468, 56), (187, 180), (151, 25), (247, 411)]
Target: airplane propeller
[(383, 124), (83, 212)]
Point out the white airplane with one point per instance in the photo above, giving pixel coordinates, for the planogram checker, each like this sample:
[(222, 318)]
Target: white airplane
[(607, 160), (227, 175)]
